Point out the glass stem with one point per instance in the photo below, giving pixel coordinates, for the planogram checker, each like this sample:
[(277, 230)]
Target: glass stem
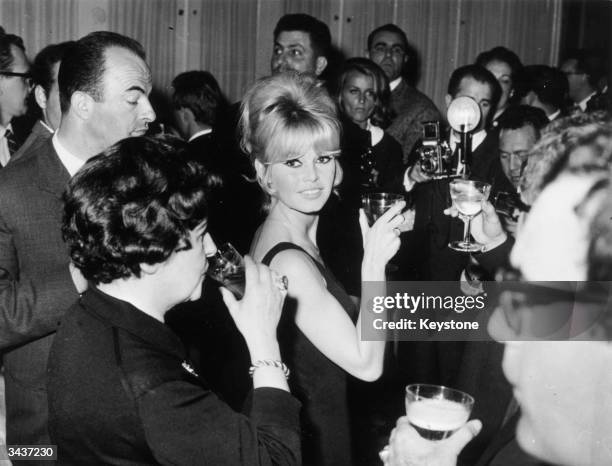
[(466, 236)]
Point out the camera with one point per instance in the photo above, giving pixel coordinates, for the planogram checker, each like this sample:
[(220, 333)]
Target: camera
[(509, 205), (435, 155)]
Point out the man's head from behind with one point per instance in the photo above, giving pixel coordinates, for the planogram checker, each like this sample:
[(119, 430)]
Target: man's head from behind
[(478, 83), (104, 84), (388, 48), (14, 78), (302, 43), (543, 87), (519, 129), (44, 76), (197, 101)]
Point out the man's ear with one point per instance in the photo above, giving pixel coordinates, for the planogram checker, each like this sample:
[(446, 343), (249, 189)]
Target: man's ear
[(448, 99), (82, 104), (40, 96), (320, 65)]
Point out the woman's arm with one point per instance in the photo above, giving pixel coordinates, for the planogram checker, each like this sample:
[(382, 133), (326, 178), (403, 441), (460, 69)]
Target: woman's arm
[(321, 317)]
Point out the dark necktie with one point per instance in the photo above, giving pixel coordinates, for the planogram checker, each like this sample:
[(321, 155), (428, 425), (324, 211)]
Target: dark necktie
[(12, 143)]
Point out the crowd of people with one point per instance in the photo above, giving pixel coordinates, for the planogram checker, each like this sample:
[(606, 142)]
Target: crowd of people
[(116, 349)]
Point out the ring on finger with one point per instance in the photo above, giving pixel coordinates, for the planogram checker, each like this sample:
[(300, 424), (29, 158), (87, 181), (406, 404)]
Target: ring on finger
[(280, 281)]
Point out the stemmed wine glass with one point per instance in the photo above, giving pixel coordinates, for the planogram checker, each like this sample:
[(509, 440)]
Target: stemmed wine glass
[(468, 196)]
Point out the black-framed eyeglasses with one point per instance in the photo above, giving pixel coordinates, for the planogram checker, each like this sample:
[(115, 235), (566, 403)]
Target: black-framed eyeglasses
[(27, 77), (540, 310)]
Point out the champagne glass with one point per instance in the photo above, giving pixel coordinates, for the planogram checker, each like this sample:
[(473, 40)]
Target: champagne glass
[(376, 204), (467, 196), (435, 411)]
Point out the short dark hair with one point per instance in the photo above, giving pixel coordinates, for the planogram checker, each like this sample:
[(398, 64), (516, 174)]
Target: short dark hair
[(320, 37), (84, 64), (45, 60), (478, 73), (133, 203), (199, 92), (6, 56), (388, 28), (382, 114), (589, 62), (501, 54), (518, 116), (548, 83)]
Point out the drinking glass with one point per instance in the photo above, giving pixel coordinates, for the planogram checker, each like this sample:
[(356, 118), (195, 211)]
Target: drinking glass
[(226, 267), (467, 196), (376, 204), (435, 411)]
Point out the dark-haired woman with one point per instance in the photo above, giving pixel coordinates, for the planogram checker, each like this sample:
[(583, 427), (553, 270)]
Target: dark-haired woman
[(121, 390)]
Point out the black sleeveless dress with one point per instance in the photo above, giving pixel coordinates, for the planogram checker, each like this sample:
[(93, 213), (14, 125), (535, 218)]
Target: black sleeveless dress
[(315, 380)]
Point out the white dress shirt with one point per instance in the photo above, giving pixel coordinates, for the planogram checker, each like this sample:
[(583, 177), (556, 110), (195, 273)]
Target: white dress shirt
[(69, 160)]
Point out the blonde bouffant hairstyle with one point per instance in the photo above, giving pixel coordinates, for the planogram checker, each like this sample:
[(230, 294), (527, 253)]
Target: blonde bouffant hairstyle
[(284, 116)]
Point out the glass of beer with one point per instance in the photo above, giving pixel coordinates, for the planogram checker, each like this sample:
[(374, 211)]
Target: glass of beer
[(376, 204), (435, 411), (226, 267)]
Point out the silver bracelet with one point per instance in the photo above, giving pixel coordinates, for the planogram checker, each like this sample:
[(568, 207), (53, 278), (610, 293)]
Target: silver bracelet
[(269, 363)]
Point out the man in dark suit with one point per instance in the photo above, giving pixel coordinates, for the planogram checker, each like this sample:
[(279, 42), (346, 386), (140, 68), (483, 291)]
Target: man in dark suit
[(432, 196), (46, 94), (544, 87), (104, 85), (14, 90), (585, 70), (388, 48)]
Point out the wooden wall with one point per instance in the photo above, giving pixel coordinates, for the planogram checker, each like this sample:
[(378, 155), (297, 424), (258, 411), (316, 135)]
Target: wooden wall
[(233, 38)]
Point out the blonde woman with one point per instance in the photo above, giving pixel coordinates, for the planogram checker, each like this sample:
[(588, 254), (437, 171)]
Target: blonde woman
[(291, 132)]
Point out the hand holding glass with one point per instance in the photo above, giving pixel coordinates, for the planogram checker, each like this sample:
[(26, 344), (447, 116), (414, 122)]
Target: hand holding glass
[(468, 196), (226, 267), (435, 411), (376, 204)]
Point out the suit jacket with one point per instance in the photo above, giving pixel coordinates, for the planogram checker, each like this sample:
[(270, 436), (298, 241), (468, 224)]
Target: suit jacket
[(35, 286), (411, 108), (31, 145)]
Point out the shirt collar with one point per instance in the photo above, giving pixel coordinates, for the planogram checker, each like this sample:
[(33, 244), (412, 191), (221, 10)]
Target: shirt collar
[(4, 129), (583, 103), (396, 82), (200, 133), (375, 132), (70, 161), (477, 138)]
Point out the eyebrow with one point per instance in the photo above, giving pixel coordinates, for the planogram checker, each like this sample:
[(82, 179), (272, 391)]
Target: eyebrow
[(136, 88)]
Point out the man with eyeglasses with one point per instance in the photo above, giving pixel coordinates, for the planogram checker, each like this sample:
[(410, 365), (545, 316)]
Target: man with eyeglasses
[(46, 95), (388, 48), (14, 90)]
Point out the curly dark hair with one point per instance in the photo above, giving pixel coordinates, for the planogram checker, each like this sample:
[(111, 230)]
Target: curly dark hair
[(134, 203)]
